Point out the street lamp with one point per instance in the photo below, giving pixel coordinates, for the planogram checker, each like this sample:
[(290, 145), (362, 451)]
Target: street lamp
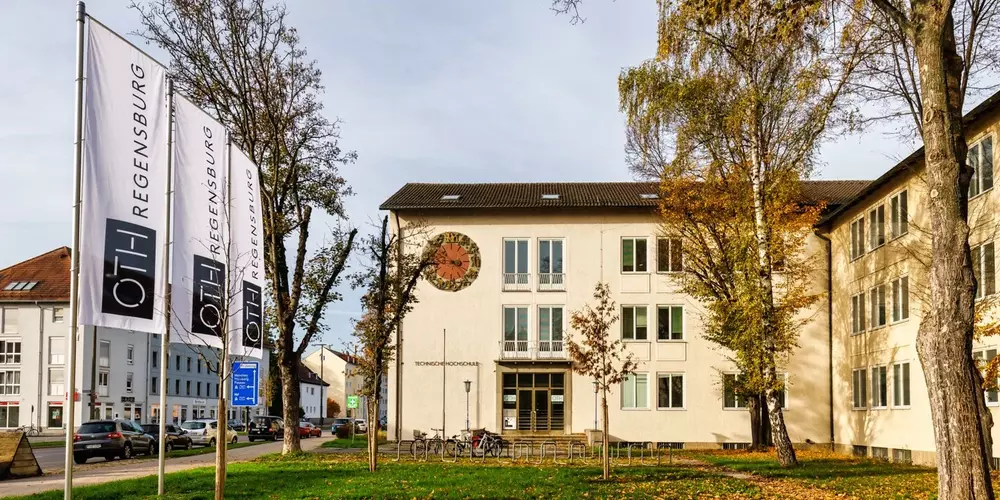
[(468, 387), (595, 404)]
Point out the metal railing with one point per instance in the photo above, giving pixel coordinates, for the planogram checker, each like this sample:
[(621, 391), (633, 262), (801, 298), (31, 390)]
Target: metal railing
[(524, 349), (516, 282), (551, 281)]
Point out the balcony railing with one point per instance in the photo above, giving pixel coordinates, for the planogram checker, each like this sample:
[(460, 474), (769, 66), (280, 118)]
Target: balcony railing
[(516, 282), (551, 281), (531, 350)]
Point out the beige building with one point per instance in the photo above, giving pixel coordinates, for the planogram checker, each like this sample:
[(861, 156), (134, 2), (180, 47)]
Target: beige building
[(521, 257)]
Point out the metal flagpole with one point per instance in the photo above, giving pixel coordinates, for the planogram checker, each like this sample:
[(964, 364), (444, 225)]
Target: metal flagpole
[(161, 464), (74, 280), (444, 374)]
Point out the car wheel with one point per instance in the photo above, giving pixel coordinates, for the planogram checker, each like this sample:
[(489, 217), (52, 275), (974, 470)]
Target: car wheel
[(235, 439), (274, 437), (250, 439), (152, 450), (211, 442), (127, 452), (80, 458)]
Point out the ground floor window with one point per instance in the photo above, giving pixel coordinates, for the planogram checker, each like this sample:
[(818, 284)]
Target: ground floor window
[(10, 416), (859, 388), (982, 359), (670, 390), (731, 398), (154, 414), (880, 387), (635, 392), (901, 385), (133, 412), (533, 401), (55, 416)]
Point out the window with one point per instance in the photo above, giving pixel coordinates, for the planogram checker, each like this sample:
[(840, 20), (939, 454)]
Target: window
[(858, 313), (670, 390), (130, 354), (451, 197), (731, 399), (128, 382), (515, 264), (57, 382), (10, 352), (899, 215), (634, 323), (515, 329), (154, 387), (649, 196), (876, 227), (901, 385), (877, 296), (58, 316), (859, 388), (550, 196), (57, 350), (105, 354), (880, 387), (177, 387), (982, 358), (858, 238), (154, 358), (198, 389), (980, 158), (9, 324), (633, 255), (670, 323), (216, 390), (177, 363), (984, 268), (668, 255), (900, 299), (199, 365), (187, 388), (550, 329), (102, 383), (635, 392), (189, 364), (19, 286), (550, 265), (10, 382)]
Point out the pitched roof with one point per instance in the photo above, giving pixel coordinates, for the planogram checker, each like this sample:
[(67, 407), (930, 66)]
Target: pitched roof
[(346, 357), (570, 194), (307, 376), (49, 272)]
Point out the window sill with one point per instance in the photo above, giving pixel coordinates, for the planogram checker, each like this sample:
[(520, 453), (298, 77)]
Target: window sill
[(635, 273), (981, 193), (993, 405), (671, 341), (635, 409), (905, 407), (671, 409), (733, 409), (859, 409), (879, 408), (898, 236), (900, 321), (636, 341), (669, 273)]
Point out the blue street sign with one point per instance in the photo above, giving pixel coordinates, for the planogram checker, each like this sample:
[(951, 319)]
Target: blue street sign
[(245, 380)]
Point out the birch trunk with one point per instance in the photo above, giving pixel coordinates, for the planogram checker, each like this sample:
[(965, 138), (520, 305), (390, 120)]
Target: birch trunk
[(606, 441)]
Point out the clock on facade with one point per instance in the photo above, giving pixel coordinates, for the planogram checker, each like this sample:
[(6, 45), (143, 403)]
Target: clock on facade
[(456, 261)]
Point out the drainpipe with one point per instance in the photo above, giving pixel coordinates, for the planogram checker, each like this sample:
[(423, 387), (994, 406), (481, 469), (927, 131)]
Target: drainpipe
[(399, 344), (41, 350), (829, 325), (93, 378)]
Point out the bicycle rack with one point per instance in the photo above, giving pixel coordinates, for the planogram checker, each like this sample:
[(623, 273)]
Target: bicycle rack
[(574, 445), (399, 447), (642, 447), (520, 446), (541, 450), (444, 452)]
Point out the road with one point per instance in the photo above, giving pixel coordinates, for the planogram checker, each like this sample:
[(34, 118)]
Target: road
[(98, 471)]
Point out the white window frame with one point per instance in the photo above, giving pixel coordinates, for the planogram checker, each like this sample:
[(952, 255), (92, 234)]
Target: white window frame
[(104, 362), (740, 402), (53, 389), (876, 226), (128, 382), (103, 383), (516, 343), (670, 376), (980, 263), (555, 348), (130, 354), (671, 241), (635, 259), (635, 322), (11, 356), (670, 326), (58, 315), (982, 356), (878, 313), (859, 374), (858, 238), (57, 358), (900, 289), (877, 403), (552, 280), (634, 378), (858, 319), (8, 385), (899, 214), (898, 387), (974, 160), (516, 281), (8, 327)]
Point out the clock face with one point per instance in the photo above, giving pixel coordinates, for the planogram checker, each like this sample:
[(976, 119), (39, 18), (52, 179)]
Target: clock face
[(456, 261)]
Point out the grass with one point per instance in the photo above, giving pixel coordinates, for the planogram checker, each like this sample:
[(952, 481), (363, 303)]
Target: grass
[(360, 441), (48, 444)]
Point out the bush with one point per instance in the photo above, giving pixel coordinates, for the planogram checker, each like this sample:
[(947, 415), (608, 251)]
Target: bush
[(344, 431)]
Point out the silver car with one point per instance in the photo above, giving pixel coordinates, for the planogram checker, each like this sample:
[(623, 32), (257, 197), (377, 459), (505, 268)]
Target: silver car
[(205, 432)]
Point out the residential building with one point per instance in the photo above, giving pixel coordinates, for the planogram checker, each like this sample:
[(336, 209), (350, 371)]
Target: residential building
[(339, 370), (312, 393)]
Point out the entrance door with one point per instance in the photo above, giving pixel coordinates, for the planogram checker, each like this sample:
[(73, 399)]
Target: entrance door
[(533, 402), (524, 412), (541, 410)]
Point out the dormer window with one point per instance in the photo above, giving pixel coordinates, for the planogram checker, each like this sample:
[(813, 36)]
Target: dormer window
[(451, 197), (550, 196), (649, 196)]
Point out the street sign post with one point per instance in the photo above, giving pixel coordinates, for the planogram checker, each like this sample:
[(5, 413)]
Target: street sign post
[(245, 377)]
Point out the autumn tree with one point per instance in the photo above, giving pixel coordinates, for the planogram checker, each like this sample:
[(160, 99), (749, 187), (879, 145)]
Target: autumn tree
[(597, 355), (332, 407), (732, 108), (389, 281), (242, 62)]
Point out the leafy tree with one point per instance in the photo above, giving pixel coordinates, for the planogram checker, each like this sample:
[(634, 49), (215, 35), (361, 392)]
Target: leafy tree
[(242, 62), (332, 408), (599, 357)]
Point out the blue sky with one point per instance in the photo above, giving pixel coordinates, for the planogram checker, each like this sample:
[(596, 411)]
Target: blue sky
[(449, 91)]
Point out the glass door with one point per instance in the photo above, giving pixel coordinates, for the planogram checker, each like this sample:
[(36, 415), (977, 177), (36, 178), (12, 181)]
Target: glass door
[(541, 410)]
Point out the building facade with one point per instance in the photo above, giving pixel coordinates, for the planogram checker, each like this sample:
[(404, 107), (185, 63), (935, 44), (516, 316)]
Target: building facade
[(339, 370), (312, 394)]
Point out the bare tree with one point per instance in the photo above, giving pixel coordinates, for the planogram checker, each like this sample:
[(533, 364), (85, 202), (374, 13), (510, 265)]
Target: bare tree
[(599, 357), (241, 61)]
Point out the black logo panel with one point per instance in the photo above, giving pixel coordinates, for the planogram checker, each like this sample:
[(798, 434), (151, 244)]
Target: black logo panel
[(206, 305), (129, 269), (252, 318)]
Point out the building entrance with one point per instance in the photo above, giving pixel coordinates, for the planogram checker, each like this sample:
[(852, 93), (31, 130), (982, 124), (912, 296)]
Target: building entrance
[(534, 402)]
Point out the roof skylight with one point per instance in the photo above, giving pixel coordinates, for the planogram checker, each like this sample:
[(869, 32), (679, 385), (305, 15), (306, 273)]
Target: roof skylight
[(649, 196), (451, 197), (550, 196), (17, 286)]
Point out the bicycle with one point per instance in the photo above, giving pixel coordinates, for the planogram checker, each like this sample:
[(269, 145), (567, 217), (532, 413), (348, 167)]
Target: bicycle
[(30, 430), (421, 444), (491, 444), (457, 445)]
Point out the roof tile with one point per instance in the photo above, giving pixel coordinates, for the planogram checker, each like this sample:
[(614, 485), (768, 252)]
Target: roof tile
[(51, 271)]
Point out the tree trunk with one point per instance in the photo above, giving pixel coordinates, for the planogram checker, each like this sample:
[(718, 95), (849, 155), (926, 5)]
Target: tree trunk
[(288, 365), (756, 439), (606, 441), (944, 339), (782, 443), (372, 434), (220, 442)]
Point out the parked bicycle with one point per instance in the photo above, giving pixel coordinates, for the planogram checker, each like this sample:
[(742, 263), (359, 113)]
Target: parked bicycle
[(30, 430), (488, 443), (459, 444), (421, 444)]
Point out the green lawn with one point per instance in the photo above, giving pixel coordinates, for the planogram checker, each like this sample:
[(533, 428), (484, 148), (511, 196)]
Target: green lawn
[(48, 444), (359, 441)]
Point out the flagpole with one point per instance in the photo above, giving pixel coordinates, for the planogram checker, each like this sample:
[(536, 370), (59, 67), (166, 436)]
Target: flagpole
[(161, 460), (74, 280)]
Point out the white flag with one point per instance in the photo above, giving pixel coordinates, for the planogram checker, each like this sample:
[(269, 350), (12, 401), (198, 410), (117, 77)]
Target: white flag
[(201, 239), (247, 263), (124, 183)]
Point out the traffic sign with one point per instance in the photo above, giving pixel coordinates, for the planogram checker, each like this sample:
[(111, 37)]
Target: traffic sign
[(245, 378), (352, 402)]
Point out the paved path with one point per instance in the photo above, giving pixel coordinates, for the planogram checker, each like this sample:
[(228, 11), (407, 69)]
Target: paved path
[(103, 472)]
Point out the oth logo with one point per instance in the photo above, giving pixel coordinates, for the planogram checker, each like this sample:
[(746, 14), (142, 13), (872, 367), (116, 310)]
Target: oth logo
[(251, 315), (206, 307), (129, 269)]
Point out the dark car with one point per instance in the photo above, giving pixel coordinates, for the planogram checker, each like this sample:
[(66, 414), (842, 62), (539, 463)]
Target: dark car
[(266, 428), (237, 425), (111, 439), (176, 437), (338, 423)]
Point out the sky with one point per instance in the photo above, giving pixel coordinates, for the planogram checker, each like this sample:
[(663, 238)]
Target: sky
[(441, 91)]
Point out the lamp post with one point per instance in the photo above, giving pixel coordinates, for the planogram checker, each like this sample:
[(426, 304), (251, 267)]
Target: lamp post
[(595, 405), (468, 387)]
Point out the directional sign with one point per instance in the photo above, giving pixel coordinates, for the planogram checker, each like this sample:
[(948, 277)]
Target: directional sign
[(245, 379), (352, 402)]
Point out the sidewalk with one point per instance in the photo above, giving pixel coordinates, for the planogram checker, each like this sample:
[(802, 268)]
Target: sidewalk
[(132, 469)]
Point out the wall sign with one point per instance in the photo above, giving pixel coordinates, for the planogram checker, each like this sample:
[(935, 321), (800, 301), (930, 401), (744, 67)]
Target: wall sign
[(450, 363), (128, 399), (557, 398)]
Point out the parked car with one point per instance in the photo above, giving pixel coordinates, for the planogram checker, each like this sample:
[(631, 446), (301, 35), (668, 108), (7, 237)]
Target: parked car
[(176, 437), (383, 423), (307, 429), (205, 432), (360, 425), (338, 423), (111, 439), (238, 425), (266, 428)]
